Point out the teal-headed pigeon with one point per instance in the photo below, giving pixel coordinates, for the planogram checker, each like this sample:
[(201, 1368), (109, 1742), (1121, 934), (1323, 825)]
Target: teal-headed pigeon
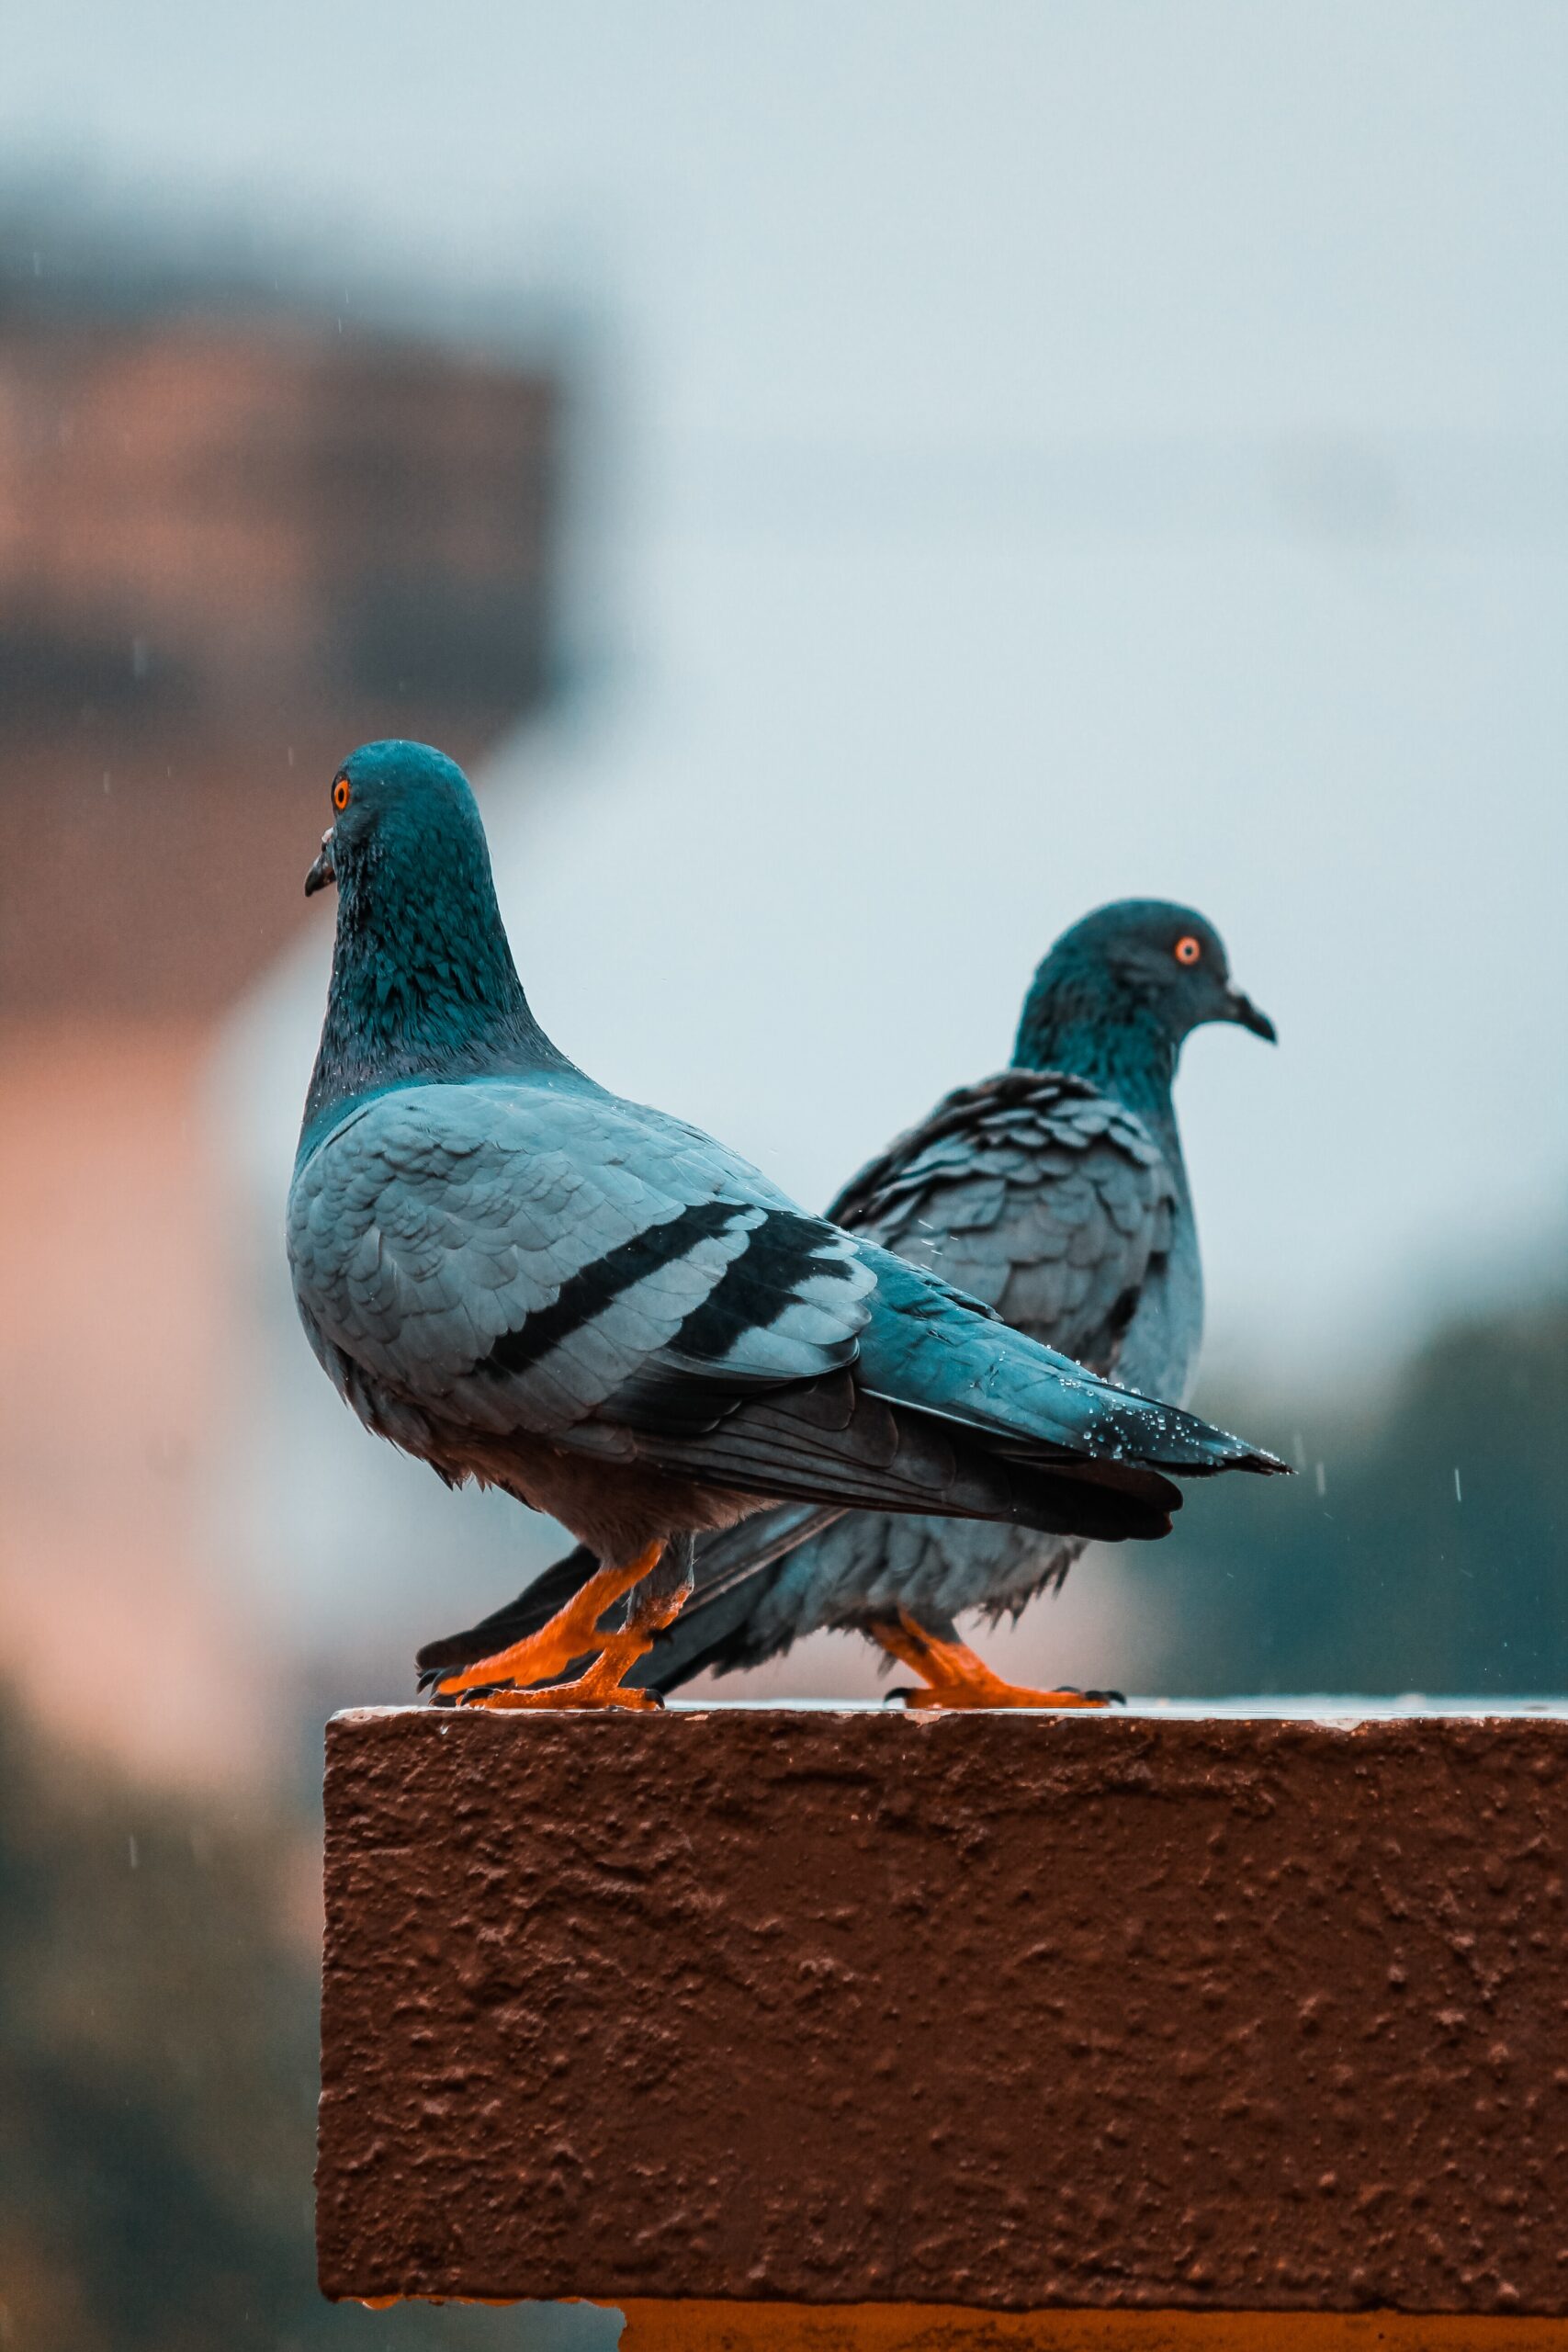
[(527, 1280)]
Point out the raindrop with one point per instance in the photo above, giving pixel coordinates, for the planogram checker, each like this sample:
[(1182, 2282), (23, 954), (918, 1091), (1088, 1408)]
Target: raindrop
[(134, 1852), (1322, 1480), (139, 659), (1459, 1490)]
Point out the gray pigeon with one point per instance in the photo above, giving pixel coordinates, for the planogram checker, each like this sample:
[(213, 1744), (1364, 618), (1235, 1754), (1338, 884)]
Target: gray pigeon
[(1056, 1193), (525, 1280)]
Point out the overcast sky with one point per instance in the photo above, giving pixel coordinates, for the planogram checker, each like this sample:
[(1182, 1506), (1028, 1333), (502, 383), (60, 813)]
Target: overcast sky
[(1038, 454)]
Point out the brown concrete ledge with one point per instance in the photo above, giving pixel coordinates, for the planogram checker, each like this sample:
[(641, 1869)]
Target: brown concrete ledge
[(1007, 2012)]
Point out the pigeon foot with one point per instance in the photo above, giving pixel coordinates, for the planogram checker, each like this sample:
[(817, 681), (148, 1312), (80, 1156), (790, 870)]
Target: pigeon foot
[(573, 1630), (601, 1686), (952, 1675), (603, 1683)]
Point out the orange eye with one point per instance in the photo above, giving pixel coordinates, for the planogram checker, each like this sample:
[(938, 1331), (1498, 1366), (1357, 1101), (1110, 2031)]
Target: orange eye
[(1188, 949), (342, 796)]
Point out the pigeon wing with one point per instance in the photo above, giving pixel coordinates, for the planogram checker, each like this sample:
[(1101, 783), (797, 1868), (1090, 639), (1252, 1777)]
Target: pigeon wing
[(1033, 1193), (543, 1257)]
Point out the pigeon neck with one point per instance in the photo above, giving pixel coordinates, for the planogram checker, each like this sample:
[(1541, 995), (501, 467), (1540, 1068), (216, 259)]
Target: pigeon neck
[(424, 988), (1120, 1047)]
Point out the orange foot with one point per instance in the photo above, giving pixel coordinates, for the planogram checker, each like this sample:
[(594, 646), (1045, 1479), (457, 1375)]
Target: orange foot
[(539, 1658), (601, 1686), (952, 1676)]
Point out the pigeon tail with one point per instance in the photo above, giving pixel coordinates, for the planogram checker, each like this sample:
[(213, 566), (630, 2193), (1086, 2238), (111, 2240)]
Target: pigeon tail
[(1038, 1403)]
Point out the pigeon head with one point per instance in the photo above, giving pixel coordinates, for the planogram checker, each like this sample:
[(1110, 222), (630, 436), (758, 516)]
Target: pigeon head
[(1120, 992), (423, 985), (400, 808), (1168, 962)]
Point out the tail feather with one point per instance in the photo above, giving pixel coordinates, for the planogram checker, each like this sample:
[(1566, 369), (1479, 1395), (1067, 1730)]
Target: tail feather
[(834, 1440), (1021, 1399)]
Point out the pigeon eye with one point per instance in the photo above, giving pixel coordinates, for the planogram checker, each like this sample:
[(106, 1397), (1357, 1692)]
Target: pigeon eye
[(1188, 949), (342, 796)]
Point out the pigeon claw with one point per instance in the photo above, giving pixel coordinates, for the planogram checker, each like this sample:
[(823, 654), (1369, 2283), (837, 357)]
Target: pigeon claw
[(952, 1675)]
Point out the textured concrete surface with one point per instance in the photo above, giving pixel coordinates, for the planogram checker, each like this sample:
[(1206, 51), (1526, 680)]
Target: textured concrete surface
[(1003, 2011)]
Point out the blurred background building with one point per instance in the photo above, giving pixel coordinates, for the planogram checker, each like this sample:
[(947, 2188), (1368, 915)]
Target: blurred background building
[(857, 488), (234, 537)]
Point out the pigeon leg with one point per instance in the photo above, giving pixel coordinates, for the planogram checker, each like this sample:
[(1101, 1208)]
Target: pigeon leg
[(952, 1676), (665, 1573), (571, 1632)]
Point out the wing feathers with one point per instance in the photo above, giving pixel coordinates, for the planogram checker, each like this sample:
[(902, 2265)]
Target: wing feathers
[(510, 1256)]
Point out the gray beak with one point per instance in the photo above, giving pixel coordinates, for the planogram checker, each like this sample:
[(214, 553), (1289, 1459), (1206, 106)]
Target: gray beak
[(324, 871), (1242, 1009)]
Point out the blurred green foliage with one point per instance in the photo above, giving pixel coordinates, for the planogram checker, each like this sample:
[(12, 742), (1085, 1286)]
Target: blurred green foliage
[(1423, 1548), (158, 2083)]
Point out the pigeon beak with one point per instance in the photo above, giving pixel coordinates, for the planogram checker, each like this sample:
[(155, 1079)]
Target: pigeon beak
[(1242, 1009), (323, 871)]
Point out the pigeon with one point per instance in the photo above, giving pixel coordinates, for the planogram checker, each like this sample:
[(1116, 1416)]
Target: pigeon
[(525, 1280), (1056, 1193)]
